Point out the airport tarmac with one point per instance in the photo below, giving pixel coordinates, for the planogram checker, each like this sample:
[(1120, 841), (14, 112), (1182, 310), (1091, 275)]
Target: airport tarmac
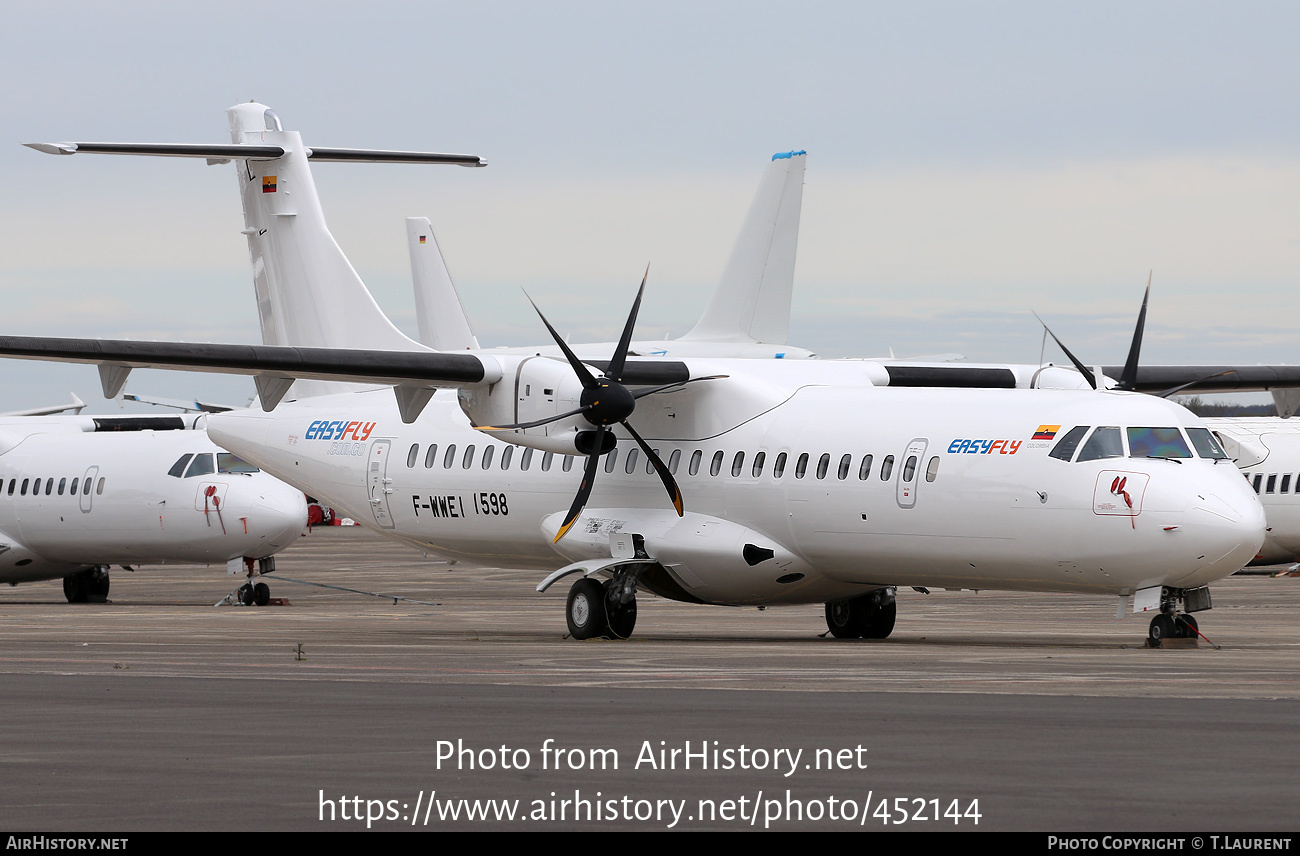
[(160, 711)]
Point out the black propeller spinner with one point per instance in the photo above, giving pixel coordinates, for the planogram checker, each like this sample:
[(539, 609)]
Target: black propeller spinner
[(605, 401)]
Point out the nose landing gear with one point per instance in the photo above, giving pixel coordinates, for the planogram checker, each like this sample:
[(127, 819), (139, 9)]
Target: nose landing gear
[(1169, 623)]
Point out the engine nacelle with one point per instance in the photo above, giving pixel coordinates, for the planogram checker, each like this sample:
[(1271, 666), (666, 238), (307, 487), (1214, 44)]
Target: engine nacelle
[(535, 388)]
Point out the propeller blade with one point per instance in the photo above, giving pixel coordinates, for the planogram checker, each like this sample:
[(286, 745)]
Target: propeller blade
[(642, 393), (584, 490), (588, 380), (670, 484), (1177, 389), (1087, 374), (1128, 378), (615, 371), (533, 424)]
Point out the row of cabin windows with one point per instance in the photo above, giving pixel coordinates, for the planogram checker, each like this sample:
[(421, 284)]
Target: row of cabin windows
[(757, 465), (1271, 485), (35, 486)]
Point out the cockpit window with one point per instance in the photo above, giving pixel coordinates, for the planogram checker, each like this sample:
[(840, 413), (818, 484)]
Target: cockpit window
[(1206, 445), (200, 466), (1157, 443), (178, 468), (228, 463), (1104, 443), (1066, 445)]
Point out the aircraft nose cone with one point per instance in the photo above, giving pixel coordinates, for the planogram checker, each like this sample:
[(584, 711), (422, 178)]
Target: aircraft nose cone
[(282, 515), (1229, 526)]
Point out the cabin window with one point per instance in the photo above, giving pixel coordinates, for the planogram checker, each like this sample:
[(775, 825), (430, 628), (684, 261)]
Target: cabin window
[(64, 483), (506, 454), (431, 456), (715, 465), (1259, 477), (1286, 484), (567, 464), (611, 459), (778, 466), (468, 460), (650, 464), (178, 468), (1064, 449), (864, 471), (99, 490), (845, 463), (673, 460), (801, 466), (823, 465), (887, 468), (1271, 484), (526, 459), (758, 464), (200, 466), (23, 492), (909, 469), (1207, 446), (13, 484), (1104, 443), (85, 487), (413, 455), (487, 456), (738, 464), (72, 489), (629, 466), (49, 487), (1157, 443), (932, 469), (546, 461), (228, 463), (449, 457), (696, 457)]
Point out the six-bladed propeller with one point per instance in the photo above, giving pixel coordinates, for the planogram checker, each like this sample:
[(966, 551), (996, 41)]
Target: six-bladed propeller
[(605, 402)]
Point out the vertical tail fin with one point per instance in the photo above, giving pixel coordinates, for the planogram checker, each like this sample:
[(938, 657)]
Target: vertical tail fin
[(444, 326), (752, 300)]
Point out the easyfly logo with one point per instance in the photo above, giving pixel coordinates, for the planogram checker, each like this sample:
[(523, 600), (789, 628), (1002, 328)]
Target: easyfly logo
[(323, 429)]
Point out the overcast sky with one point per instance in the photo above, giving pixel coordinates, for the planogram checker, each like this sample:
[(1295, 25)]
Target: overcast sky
[(967, 162)]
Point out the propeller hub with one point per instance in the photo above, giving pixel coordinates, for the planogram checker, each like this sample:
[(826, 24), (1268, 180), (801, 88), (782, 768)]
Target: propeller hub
[(607, 403)]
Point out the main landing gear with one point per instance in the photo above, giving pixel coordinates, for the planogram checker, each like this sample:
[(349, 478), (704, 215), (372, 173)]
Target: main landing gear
[(256, 594), (1169, 623), (88, 586), (607, 609), (869, 616)]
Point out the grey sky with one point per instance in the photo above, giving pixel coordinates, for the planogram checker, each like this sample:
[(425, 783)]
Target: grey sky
[(967, 162)]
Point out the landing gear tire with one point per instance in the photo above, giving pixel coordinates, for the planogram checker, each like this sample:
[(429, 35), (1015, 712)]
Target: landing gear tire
[(1162, 628), (75, 589), (246, 595), (97, 585), (261, 594), (880, 621), (1187, 626), (585, 610), (844, 618), (621, 617)]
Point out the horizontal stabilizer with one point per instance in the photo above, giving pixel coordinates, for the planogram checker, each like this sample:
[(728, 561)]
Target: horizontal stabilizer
[(240, 151)]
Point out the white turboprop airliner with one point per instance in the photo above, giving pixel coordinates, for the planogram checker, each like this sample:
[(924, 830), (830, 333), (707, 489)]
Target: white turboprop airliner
[(800, 482), (81, 493)]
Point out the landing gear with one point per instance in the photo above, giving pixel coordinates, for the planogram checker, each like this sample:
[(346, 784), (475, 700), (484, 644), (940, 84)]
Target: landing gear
[(88, 586), (870, 616), (605, 609), (1169, 623), (256, 594)]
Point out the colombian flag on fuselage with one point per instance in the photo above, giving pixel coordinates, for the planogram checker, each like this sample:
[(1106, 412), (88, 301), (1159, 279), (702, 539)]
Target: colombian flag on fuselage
[(1046, 432)]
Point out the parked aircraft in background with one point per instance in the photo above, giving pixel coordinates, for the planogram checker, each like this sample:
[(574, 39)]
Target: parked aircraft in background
[(81, 493), (826, 482)]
